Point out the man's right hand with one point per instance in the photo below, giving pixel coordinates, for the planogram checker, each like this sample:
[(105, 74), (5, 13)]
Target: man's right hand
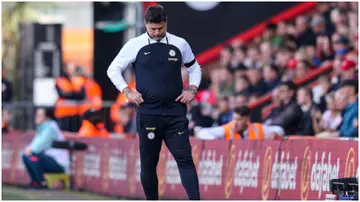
[(134, 96)]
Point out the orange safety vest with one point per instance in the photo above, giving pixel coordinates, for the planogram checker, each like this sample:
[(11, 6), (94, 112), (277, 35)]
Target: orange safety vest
[(65, 107), (93, 99), (255, 131), (121, 100), (89, 130)]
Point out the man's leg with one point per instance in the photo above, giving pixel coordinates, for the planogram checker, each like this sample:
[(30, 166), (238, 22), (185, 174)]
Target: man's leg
[(177, 141), (49, 165), (33, 162), (27, 163), (150, 146)]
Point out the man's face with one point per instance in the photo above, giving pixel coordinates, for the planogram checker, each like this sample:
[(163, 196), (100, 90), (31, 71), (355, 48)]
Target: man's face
[(340, 100), (40, 116), (301, 97), (157, 31), (284, 92), (240, 122)]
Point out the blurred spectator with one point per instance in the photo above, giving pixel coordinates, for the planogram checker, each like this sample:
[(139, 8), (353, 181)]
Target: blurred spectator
[(252, 59), (348, 94), (318, 25), (270, 35), (271, 77), (202, 114), (257, 83), (291, 113), (308, 107), (242, 85), (225, 113), (302, 69), (240, 128), (71, 90), (39, 158), (5, 120), (305, 36), (93, 92), (330, 120), (326, 88), (348, 72), (276, 101), (126, 125), (93, 125), (7, 89)]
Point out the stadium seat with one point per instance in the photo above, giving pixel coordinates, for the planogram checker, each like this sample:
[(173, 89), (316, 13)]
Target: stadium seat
[(52, 177)]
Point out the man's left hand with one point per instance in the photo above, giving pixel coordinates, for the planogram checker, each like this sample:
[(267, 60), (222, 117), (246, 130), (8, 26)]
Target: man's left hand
[(186, 97), (28, 151)]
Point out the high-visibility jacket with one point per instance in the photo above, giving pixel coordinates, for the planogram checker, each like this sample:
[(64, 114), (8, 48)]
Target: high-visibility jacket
[(121, 100), (255, 131), (65, 107), (89, 130), (93, 99)]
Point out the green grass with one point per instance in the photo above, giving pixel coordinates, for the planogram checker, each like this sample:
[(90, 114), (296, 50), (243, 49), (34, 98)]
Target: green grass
[(10, 192)]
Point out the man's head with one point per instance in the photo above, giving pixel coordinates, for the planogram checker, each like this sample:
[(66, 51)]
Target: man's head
[(43, 114), (304, 96), (318, 24), (224, 104), (254, 76), (301, 24), (241, 117), (156, 22), (270, 72), (340, 100), (350, 89), (275, 97), (241, 100), (302, 68), (287, 91)]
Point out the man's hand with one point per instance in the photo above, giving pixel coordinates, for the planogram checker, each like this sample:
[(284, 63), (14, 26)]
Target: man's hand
[(28, 151), (133, 96), (187, 96)]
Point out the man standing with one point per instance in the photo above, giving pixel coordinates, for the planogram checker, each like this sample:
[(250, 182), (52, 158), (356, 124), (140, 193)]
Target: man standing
[(157, 57)]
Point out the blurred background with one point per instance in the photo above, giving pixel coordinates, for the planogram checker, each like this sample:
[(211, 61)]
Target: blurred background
[(246, 51)]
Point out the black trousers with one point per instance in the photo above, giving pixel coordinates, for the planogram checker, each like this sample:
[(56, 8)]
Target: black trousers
[(174, 131)]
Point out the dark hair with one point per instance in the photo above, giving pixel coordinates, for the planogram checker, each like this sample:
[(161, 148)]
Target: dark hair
[(49, 112), (308, 91), (242, 111), (155, 14), (350, 83), (290, 85), (271, 26), (274, 68)]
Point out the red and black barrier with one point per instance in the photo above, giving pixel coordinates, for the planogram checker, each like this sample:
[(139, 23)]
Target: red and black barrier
[(260, 170)]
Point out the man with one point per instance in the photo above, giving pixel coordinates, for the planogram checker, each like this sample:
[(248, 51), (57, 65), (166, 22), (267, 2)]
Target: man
[(71, 91), (39, 158), (305, 100), (271, 77), (290, 114), (347, 101), (241, 128), (157, 57), (92, 125)]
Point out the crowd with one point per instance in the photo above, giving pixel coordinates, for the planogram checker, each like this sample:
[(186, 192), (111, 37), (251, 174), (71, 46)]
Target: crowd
[(268, 64)]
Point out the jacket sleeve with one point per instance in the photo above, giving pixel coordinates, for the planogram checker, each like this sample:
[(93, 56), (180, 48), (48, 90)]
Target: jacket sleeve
[(71, 96), (288, 116), (347, 129), (44, 141)]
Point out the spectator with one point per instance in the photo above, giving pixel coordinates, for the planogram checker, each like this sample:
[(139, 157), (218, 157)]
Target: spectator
[(242, 85), (93, 125), (241, 99), (348, 72), (271, 77), (7, 90), (257, 83), (349, 95), (226, 113), (39, 158), (291, 113), (5, 121), (326, 88), (305, 100), (305, 36), (330, 120), (271, 36), (318, 25), (302, 68), (241, 128), (276, 101)]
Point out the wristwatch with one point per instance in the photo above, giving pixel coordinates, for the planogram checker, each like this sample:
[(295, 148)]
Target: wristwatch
[(193, 90)]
